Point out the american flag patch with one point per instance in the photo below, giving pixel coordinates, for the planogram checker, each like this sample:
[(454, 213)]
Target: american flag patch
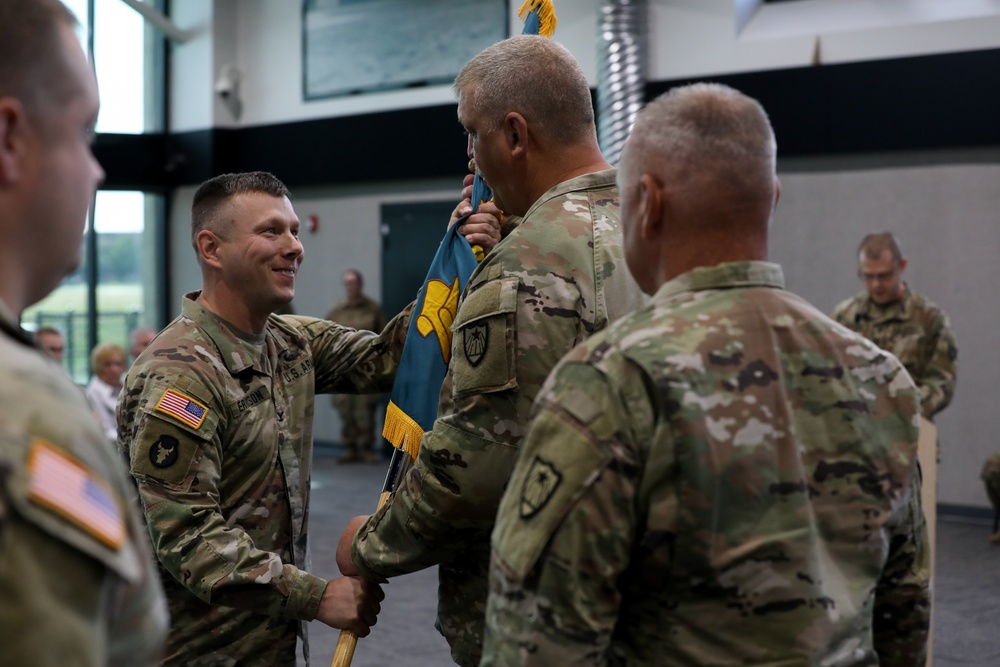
[(185, 408), (60, 483)]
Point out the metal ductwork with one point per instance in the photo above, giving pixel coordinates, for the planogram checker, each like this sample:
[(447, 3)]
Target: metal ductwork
[(621, 63)]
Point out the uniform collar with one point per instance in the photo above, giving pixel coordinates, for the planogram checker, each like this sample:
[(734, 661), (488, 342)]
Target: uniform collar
[(724, 276), (238, 349), (896, 310), (597, 179), (9, 325)]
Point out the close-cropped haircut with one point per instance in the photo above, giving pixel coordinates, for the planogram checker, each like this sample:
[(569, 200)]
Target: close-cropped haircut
[(708, 128), (32, 59), (536, 77), (873, 245), (213, 194)]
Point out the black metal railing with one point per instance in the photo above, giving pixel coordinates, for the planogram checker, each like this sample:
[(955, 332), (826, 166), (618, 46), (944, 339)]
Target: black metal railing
[(112, 327)]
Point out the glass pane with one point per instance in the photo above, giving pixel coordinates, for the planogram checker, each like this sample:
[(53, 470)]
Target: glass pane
[(79, 7), (66, 311), (120, 63), (129, 289), (120, 221)]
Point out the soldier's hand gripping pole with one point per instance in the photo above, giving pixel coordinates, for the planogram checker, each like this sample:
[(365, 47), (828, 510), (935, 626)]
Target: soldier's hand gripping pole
[(343, 654)]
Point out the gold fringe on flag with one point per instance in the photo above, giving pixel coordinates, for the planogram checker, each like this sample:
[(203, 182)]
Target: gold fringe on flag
[(546, 15), (402, 431)]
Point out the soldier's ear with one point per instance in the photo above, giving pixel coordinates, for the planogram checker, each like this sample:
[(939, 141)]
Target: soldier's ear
[(208, 246), (650, 211), (12, 139), (515, 132)]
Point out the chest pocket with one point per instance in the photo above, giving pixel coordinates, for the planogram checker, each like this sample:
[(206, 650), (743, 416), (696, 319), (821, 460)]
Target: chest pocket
[(484, 346)]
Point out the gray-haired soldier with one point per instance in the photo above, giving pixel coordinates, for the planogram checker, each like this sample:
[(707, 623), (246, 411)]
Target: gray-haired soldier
[(77, 583), (557, 277), (726, 476)]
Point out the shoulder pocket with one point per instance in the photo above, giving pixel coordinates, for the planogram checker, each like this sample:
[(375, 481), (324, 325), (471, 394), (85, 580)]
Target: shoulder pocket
[(484, 347), (549, 479), (70, 502)]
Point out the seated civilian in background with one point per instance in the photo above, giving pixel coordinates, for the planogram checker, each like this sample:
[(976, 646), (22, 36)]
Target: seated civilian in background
[(77, 583), (52, 341), (139, 340), (725, 476), (107, 365)]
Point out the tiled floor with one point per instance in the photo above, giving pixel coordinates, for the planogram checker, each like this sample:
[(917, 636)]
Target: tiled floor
[(967, 609)]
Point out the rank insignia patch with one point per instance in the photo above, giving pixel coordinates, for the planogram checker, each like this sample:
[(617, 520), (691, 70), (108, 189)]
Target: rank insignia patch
[(63, 485), (475, 340), (539, 486), (163, 452), (182, 407)]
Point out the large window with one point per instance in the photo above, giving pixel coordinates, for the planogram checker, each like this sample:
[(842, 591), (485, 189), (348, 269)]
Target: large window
[(127, 57), (118, 286), (120, 283)]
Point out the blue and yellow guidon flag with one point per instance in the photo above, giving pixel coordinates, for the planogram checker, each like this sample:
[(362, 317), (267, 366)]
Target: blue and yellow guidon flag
[(414, 400)]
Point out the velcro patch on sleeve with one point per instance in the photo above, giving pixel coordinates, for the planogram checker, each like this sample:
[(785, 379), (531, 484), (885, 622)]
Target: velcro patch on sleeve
[(65, 486), (182, 407)]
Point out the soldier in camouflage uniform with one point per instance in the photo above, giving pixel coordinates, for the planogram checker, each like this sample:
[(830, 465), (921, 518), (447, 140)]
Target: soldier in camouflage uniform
[(357, 411), (991, 478), (726, 476), (77, 582), (899, 320), (556, 278), (216, 421)]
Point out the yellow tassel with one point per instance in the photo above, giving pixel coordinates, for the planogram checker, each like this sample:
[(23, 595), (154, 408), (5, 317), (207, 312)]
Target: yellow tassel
[(402, 431), (546, 15)]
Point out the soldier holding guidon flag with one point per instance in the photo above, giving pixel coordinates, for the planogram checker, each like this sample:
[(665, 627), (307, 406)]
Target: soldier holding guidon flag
[(556, 277)]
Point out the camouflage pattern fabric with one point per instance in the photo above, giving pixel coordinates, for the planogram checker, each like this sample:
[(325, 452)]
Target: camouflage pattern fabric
[(76, 574), (918, 333), (357, 411), (725, 477), (555, 279), (217, 426), (991, 478)]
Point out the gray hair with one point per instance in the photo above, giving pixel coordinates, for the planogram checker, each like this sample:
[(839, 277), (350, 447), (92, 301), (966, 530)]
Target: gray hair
[(535, 77), (706, 128)]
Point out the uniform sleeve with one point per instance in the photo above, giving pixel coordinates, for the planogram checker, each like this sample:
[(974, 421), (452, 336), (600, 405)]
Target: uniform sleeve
[(446, 502), (937, 382), (177, 467), (356, 362), (66, 591), (901, 616), (565, 528)]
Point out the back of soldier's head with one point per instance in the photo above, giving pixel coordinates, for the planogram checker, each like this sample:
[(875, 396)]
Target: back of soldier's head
[(32, 58), (707, 136), (212, 197), (536, 77)]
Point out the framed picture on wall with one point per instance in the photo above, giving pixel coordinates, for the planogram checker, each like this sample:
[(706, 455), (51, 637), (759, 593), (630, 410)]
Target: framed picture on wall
[(357, 46)]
